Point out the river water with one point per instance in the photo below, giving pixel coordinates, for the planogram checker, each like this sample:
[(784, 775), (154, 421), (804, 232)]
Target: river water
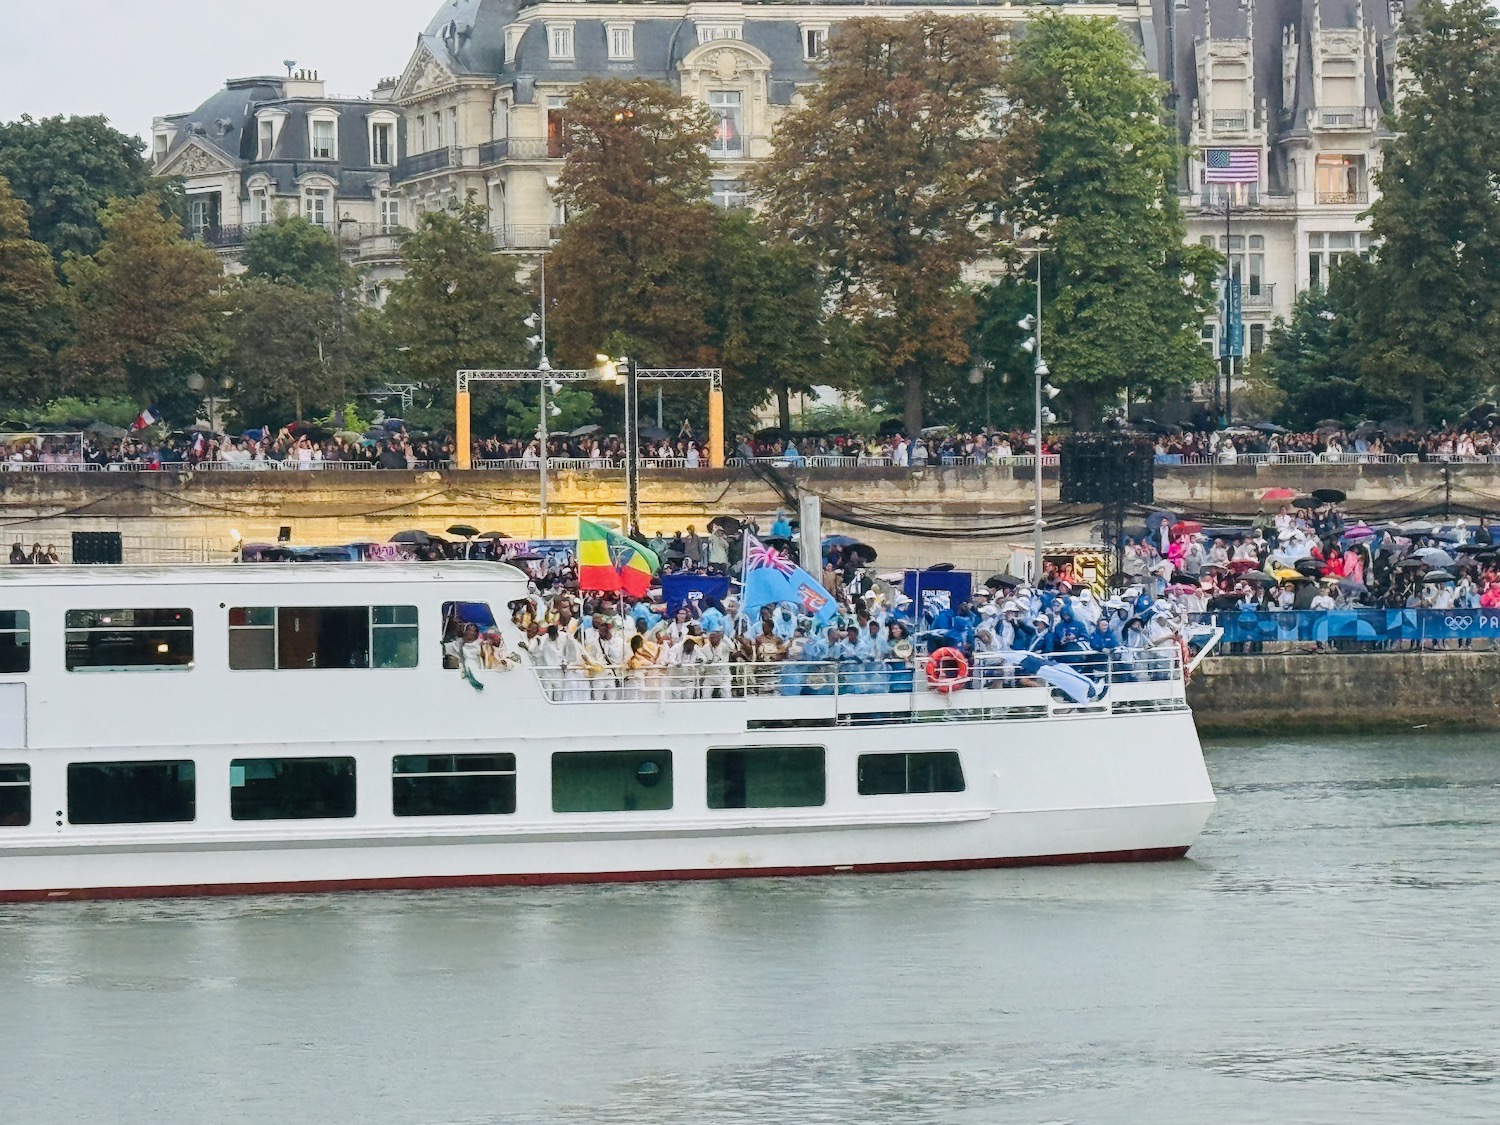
[(1327, 953)]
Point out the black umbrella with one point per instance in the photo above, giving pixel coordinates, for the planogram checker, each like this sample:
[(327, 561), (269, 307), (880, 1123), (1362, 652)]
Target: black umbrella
[(1259, 577), (731, 526), (1002, 581), (463, 531), (653, 433), (1308, 566), (1330, 495), (1436, 576), (1410, 564), (1307, 502), (584, 431), (490, 535), (1268, 427), (416, 538)]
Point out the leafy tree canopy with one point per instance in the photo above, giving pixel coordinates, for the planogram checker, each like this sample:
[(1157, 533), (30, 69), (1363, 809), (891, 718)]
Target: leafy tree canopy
[(66, 169), (892, 174), (1430, 311), (145, 309), (1123, 296), (294, 251), (30, 313), (288, 350)]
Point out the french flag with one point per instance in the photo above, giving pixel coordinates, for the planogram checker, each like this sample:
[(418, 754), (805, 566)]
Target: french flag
[(149, 417)]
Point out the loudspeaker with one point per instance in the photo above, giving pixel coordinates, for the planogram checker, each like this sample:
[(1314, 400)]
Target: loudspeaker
[(97, 548), (1112, 468)]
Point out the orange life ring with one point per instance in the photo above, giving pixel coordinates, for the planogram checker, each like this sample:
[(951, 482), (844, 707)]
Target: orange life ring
[(947, 670)]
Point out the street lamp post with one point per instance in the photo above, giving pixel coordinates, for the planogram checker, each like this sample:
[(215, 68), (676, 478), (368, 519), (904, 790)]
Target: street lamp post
[(1039, 371)]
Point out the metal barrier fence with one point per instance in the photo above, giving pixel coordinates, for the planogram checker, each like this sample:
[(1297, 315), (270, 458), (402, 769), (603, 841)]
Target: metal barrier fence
[(1366, 627)]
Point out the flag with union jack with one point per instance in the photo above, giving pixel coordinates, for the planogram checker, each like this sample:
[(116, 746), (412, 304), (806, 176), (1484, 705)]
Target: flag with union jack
[(771, 578)]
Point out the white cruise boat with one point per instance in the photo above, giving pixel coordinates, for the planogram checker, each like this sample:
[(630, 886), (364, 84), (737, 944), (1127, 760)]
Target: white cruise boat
[(273, 728)]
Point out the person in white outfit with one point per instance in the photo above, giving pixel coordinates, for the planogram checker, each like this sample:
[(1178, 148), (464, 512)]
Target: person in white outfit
[(713, 666)]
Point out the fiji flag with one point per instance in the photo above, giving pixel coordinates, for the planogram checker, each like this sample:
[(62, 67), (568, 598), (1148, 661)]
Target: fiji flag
[(771, 578), (148, 417)]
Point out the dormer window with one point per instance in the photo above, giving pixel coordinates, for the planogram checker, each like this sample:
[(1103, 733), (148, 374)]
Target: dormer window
[(383, 139), (267, 140), (708, 32), (513, 36), (621, 41), (814, 41), (161, 144), (560, 41), (324, 130)]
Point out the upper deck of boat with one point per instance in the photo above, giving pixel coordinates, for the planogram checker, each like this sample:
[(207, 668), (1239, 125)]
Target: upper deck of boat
[(261, 574)]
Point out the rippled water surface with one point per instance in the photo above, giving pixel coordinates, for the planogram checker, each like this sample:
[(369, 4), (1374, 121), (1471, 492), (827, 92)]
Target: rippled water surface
[(1330, 952)]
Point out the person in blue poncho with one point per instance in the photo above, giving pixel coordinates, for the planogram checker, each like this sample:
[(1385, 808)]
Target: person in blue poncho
[(959, 623), (712, 618), (780, 527)]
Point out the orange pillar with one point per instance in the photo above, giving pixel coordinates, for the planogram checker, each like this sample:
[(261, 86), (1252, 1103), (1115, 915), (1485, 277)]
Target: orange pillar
[(715, 427), (463, 441)]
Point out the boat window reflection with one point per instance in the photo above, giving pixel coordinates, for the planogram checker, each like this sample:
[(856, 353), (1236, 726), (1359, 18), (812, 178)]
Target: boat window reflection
[(453, 784), (882, 775), (132, 792), (612, 781), (15, 796), (291, 788), (123, 639), (767, 777), (15, 640), (295, 637)]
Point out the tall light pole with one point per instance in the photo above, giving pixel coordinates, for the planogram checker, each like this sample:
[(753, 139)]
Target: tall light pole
[(1039, 371)]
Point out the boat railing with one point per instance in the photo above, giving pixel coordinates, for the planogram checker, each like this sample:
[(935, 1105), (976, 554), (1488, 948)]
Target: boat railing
[(1078, 679)]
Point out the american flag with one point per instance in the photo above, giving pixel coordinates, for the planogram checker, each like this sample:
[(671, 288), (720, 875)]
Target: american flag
[(758, 556), (1231, 166)]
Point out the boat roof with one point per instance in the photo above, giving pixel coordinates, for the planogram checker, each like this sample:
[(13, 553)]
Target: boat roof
[(262, 574)]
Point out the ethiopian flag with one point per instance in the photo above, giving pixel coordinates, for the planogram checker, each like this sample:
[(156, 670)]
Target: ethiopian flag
[(610, 563)]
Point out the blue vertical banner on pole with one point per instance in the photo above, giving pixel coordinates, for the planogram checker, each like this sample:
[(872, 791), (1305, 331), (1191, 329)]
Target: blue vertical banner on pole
[(1232, 342)]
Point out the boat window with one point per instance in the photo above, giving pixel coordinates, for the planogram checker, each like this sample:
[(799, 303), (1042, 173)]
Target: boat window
[(131, 793), (453, 784), (767, 777), (15, 641), (291, 788), (382, 636), (458, 614), (612, 781), (886, 774), (15, 796), (122, 639)]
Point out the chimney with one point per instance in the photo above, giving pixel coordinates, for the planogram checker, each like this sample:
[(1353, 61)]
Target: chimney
[(305, 84)]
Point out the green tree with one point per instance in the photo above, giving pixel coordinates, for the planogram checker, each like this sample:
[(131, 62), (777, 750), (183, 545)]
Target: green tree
[(66, 169), (1124, 297), (291, 249), (145, 309), (30, 313), (628, 274), (892, 174), (767, 318), (1430, 311), (459, 307), (1311, 358), (288, 351)]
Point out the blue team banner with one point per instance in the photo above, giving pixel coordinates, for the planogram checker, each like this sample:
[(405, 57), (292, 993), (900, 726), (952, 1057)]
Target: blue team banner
[(1362, 624), (932, 591), (692, 590)]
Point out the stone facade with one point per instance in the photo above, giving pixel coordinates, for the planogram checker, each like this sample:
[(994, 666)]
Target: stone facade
[(263, 147)]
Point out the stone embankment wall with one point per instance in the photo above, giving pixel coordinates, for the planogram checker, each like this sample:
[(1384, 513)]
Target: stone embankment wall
[(1311, 693), (192, 514)]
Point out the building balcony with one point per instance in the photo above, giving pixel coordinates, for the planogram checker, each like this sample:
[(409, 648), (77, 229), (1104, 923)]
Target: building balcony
[(423, 164), (220, 237), (1344, 198), (1261, 300), (525, 238), (509, 149), (1250, 196), (1230, 122), (1340, 119)]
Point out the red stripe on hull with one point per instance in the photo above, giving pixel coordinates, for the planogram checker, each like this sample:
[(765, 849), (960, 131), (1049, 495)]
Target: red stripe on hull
[(445, 882)]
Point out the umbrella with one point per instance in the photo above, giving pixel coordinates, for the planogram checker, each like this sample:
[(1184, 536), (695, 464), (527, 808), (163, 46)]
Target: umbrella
[(105, 430), (491, 535), (1330, 495), (1187, 527), (1330, 423), (839, 541), (584, 431), (463, 531), (394, 424), (653, 433), (1259, 577), (1350, 586), (1268, 427), (1410, 564), (1436, 576), (1435, 556), (1285, 574), (1307, 502), (1359, 531), (1002, 582), (1308, 566), (1277, 494), (1243, 565), (730, 524), (417, 538), (348, 435)]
